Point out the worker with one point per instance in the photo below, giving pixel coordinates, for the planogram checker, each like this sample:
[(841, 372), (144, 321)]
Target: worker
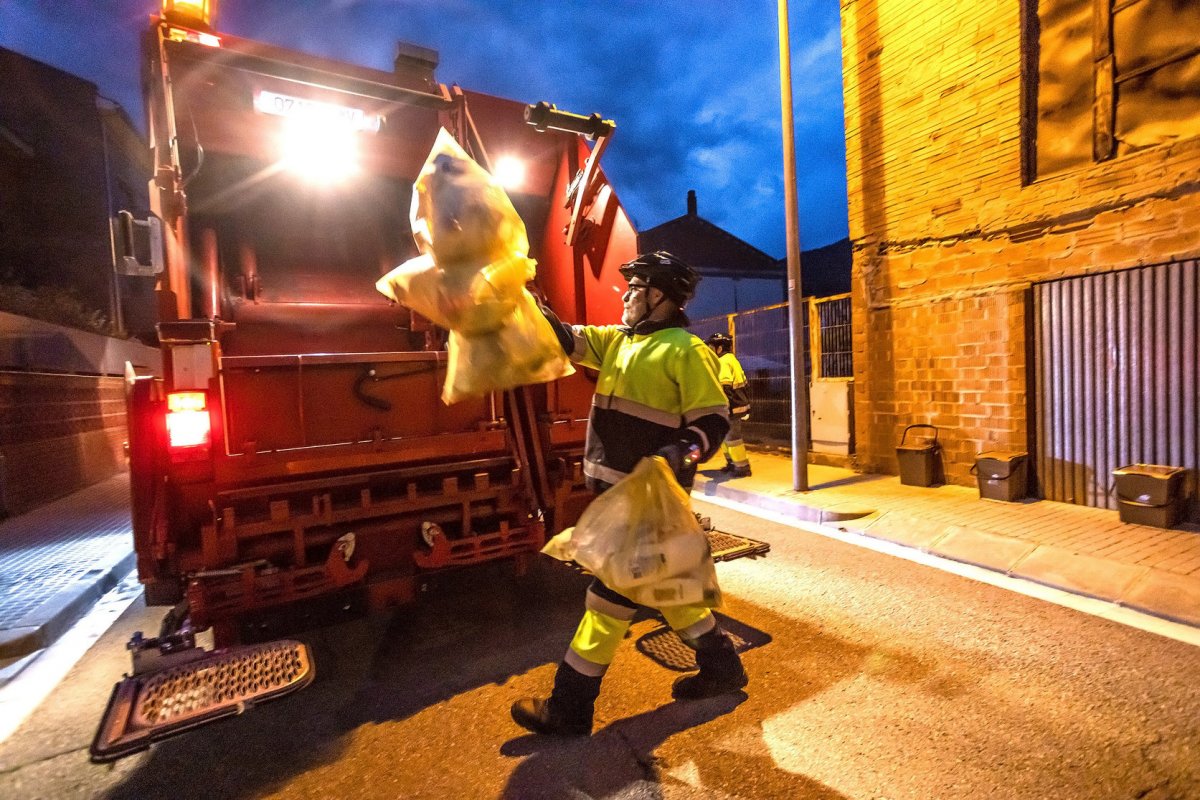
[(657, 393), (733, 381)]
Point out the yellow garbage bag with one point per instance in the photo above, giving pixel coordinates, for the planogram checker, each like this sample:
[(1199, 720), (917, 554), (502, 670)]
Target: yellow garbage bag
[(641, 539), (470, 279)]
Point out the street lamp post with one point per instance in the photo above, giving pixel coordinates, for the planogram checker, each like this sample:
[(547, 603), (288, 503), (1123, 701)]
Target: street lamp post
[(795, 292)]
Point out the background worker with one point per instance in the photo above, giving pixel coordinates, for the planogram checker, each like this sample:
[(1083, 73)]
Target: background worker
[(733, 381), (657, 394)]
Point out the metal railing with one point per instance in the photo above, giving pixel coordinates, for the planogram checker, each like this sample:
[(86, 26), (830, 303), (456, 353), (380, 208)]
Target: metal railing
[(760, 340)]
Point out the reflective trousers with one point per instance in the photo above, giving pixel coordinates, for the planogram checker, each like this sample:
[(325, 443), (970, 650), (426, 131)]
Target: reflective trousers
[(607, 617), (733, 447)]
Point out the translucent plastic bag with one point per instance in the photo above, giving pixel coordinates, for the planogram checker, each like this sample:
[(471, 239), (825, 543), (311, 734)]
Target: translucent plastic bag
[(641, 539), (470, 279)]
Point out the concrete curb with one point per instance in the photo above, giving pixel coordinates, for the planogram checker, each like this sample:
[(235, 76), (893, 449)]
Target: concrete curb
[(43, 625), (781, 505)]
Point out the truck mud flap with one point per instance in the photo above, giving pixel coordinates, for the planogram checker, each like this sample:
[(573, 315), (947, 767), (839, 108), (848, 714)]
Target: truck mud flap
[(153, 706)]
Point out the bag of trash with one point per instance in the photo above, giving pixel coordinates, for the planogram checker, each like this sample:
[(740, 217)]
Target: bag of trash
[(470, 279), (641, 539)]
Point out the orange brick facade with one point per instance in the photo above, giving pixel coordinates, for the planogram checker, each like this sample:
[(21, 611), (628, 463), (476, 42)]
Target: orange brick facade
[(948, 237)]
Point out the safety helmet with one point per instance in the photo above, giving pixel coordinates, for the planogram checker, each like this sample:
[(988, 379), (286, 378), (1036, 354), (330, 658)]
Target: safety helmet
[(666, 273), (721, 340)]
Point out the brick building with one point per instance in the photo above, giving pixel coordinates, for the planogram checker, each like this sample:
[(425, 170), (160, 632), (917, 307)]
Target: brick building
[(1025, 218)]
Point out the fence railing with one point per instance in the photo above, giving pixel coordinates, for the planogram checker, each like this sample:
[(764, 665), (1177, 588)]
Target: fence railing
[(761, 340)]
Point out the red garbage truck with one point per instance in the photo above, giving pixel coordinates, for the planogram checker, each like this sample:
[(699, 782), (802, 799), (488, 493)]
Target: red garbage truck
[(295, 446)]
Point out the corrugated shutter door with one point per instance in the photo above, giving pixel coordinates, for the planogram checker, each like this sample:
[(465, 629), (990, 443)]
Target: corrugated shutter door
[(1116, 367)]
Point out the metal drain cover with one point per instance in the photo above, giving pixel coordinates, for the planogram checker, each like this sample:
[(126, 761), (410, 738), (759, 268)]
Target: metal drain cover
[(147, 708), (664, 647)]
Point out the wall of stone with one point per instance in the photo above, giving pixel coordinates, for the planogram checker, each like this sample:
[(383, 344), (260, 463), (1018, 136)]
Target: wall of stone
[(948, 234)]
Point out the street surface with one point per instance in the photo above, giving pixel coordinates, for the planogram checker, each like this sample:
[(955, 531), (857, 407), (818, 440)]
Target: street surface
[(871, 677)]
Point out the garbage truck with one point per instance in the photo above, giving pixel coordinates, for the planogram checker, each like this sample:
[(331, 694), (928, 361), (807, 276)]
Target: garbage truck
[(294, 446)]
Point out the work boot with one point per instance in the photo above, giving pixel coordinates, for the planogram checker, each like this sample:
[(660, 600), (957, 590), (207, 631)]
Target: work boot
[(729, 467), (721, 669), (741, 472), (567, 711)]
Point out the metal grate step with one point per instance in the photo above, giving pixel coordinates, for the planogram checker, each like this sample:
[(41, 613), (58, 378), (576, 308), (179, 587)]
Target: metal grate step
[(153, 706), (728, 546)]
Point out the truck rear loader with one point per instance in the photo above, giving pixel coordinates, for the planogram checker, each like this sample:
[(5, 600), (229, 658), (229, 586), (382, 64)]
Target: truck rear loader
[(295, 446)]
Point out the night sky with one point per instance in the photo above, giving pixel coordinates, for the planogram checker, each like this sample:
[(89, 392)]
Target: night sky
[(693, 85)]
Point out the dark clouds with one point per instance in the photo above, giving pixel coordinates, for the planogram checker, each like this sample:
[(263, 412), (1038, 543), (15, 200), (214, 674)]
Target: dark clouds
[(692, 84)]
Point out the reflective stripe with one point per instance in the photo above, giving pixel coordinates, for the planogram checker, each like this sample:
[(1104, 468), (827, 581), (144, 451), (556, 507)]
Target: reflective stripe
[(739, 410), (601, 472), (602, 605), (635, 409), (703, 437), (721, 411), (581, 343), (583, 666), (690, 622)]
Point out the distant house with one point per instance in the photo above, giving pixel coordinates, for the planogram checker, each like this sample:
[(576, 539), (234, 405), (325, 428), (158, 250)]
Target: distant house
[(69, 160), (736, 275)]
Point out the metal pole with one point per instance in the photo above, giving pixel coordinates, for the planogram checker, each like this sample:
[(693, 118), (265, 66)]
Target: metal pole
[(795, 291)]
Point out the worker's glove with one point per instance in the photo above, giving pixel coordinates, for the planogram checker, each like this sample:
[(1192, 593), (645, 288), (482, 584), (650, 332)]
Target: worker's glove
[(680, 457)]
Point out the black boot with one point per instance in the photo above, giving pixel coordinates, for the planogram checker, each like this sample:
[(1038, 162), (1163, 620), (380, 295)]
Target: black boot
[(721, 669), (567, 711)]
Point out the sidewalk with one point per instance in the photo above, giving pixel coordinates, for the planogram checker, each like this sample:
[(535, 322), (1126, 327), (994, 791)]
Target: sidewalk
[(1079, 549), (57, 560)]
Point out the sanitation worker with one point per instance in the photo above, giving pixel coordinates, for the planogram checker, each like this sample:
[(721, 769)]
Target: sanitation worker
[(733, 381), (657, 394)]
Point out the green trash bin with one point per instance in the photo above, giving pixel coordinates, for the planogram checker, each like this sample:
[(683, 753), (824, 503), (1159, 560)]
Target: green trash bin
[(919, 458), (1002, 475), (1150, 494)]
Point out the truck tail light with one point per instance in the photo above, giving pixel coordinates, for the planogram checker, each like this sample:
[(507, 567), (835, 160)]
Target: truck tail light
[(188, 424)]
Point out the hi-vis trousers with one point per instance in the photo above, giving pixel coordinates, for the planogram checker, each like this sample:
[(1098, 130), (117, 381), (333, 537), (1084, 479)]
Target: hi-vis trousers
[(733, 447), (607, 618)]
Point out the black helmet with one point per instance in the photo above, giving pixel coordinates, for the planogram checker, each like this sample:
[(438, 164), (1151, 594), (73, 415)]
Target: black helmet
[(721, 340), (666, 273)]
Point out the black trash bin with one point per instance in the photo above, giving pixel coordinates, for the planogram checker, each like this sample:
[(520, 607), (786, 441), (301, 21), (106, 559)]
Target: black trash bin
[(918, 459), (1149, 494), (1002, 475)]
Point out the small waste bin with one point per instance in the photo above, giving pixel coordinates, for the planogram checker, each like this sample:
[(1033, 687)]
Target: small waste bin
[(1149, 494), (918, 459), (1001, 475)]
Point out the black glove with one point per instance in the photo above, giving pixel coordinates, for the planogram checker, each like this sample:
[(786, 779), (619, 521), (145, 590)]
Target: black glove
[(679, 456)]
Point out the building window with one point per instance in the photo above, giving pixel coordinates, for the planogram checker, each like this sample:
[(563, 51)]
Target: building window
[(1107, 77)]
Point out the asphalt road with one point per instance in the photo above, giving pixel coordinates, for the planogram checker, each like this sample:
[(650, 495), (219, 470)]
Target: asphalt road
[(871, 677)]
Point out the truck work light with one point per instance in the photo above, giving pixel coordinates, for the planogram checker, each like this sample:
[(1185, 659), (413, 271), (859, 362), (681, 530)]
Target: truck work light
[(510, 172), (321, 152)]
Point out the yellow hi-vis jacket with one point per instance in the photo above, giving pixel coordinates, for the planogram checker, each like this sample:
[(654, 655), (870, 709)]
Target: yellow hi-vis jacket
[(656, 387), (733, 380)]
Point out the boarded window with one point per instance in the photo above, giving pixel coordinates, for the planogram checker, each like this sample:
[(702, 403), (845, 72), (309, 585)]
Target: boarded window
[(1111, 76)]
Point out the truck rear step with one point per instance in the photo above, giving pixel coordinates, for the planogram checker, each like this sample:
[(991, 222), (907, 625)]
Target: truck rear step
[(153, 706)]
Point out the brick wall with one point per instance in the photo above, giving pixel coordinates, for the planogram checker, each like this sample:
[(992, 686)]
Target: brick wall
[(947, 236), (58, 433)]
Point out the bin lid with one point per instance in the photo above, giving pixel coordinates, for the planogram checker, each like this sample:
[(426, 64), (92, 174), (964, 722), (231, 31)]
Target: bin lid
[(917, 448), (1149, 471), (1001, 455)]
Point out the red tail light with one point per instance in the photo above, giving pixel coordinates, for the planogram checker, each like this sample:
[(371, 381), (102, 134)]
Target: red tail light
[(188, 424)]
